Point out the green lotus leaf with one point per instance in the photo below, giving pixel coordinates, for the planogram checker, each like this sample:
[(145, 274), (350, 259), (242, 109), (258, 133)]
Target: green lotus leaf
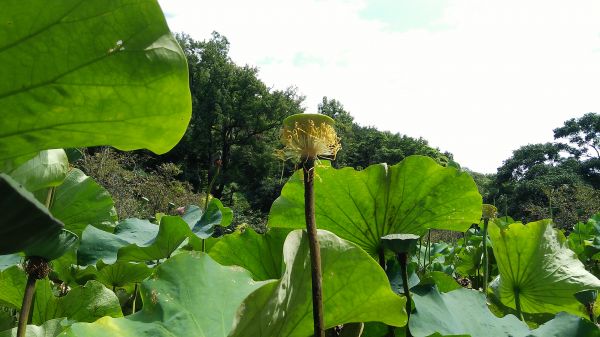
[(12, 287), (261, 254), (84, 73), (355, 289), (394, 274), (203, 223), (443, 281), (189, 295), (81, 304), (48, 169), (172, 231), (97, 245), (133, 240), (459, 312), (25, 221), (565, 325), (535, 263), (464, 312), (51, 328), (582, 237), (66, 269), (53, 246), (122, 273), (362, 206), (7, 261), (80, 201)]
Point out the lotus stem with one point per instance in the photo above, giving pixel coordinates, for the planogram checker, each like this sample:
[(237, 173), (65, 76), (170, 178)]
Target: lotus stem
[(308, 168), (403, 260), (36, 268), (518, 305), (135, 291), (485, 256), (26, 306)]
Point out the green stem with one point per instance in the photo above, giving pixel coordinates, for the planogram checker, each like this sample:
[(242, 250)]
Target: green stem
[(429, 248), (518, 305), (135, 290), (485, 256), (381, 255), (26, 306), (419, 254), (308, 168), (210, 186), (49, 197), (403, 260)]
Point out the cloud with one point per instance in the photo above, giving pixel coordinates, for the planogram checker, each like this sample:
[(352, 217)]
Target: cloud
[(500, 74)]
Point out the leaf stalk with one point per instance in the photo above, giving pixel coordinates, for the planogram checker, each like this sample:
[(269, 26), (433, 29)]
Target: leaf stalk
[(308, 168)]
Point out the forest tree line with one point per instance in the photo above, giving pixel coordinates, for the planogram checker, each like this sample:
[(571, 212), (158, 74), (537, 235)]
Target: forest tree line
[(230, 144)]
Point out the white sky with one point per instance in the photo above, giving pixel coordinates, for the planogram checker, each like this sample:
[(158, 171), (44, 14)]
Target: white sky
[(474, 77)]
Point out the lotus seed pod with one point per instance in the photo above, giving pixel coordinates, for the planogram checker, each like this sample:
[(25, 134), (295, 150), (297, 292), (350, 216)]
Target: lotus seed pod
[(488, 211), (309, 136)]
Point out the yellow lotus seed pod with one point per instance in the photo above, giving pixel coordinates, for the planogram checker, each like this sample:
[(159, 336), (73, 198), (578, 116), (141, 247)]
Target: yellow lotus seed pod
[(488, 211), (309, 136)]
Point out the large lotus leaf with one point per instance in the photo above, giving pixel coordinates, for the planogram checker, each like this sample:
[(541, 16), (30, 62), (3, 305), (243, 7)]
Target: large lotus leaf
[(97, 245), (189, 295), (7, 321), (7, 261), (48, 169), (81, 304), (203, 223), (565, 325), (122, 273), (436, 314), (534, 261), (80, 201), (12, 287), (582, 235), (53, 246), (457, 312), (355, 289), (362, 206), (84, 73), (261, 254), (443, 281), (25, 220), (133, 240), (171, 234), (51, 328)]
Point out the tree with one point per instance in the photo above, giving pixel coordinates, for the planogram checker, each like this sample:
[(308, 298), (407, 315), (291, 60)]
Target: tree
[(527, 179), (235, 121), (583, 135)]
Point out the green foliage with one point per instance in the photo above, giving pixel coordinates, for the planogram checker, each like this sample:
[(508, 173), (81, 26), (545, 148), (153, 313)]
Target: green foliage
[(80, 201), (26, 222), (363, 206), (570, 204), (262, 255), (127, 178), (584, 240), (536, 265), (189, 295), (121, 85), (235, 123), (355, 289), (12, 281), (81, 304), (48, 169), (475, 319)]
